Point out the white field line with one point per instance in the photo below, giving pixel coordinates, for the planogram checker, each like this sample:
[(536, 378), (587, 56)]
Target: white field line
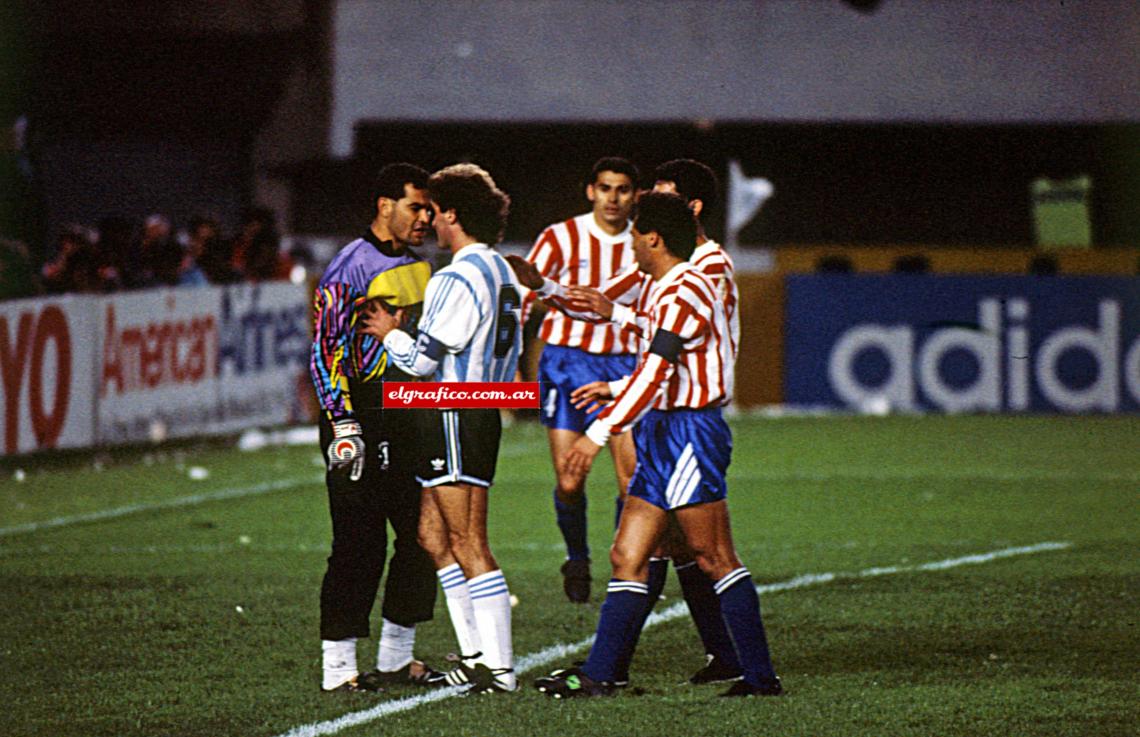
[(562, 651), (187, 501), (182, 501), (516, 450)]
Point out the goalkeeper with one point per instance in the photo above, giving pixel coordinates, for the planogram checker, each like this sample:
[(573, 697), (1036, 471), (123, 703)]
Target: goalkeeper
[(371, 462)]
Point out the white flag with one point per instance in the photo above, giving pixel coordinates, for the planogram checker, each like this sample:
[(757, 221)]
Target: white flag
[(745, 197)]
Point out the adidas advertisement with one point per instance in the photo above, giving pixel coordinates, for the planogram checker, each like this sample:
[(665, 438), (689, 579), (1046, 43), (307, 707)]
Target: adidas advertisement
[(883, 343)]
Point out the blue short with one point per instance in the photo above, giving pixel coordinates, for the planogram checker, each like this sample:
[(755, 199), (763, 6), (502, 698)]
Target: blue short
[(682, 457), (561, 370)]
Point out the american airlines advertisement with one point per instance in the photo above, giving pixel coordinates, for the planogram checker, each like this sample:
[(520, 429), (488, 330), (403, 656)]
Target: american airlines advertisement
[(157, 364), (145, 366), (913, 343)]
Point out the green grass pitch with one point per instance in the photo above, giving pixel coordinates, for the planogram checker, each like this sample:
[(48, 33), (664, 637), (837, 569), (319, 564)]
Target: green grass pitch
[(137, 600)]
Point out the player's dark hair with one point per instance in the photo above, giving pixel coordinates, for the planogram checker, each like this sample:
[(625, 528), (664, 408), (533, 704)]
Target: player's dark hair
[(617, 165), (694, 181), (391, 179), (669, 216), (479, 204)]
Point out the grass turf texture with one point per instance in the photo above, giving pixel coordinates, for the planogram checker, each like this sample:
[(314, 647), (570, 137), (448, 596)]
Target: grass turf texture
[(130, 625)]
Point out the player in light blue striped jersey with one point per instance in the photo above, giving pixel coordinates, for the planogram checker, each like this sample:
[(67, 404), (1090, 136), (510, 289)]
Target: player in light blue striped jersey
[(469, 331)]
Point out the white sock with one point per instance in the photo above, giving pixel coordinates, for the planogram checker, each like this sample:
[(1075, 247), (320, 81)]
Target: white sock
[(396, 645), (492, 604), (339, 659), (458, 597)]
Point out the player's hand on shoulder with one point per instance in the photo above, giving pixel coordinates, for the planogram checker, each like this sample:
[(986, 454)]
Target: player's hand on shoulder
[(526, 272)]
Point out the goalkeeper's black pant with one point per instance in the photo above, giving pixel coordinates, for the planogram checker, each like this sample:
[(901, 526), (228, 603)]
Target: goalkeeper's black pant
[(387, 493)]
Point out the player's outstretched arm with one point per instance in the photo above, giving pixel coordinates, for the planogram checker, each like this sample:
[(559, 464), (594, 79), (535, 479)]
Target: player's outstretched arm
[(591, 300), (552, 293), (527, 272)]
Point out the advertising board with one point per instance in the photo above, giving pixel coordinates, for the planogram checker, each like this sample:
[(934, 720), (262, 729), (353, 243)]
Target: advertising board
[(47, 372), (963, 344)]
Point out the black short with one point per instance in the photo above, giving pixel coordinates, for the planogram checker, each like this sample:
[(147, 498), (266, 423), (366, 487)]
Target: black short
[(458, 446)]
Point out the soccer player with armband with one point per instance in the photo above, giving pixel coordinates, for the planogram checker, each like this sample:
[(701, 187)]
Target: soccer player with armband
[(683, 378), (622, 299)]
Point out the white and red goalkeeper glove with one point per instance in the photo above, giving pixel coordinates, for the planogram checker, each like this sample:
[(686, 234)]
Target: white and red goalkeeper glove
[(347, 448)]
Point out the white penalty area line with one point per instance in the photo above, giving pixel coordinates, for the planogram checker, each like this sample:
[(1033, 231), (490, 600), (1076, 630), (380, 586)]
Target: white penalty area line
[(561, 651), (182, 501)]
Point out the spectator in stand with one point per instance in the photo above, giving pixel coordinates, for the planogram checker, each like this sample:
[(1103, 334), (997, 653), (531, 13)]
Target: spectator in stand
[(112, 253), (171, 266), (70, 240), (189, 273), (152, 253), (210, 252), (73, 268), (257, 248)]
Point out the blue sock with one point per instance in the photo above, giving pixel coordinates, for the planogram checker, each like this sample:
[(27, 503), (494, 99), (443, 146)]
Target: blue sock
[(658, 567), (620, 618), (740, 606), (619, 504), (704, 608), (572, 522)]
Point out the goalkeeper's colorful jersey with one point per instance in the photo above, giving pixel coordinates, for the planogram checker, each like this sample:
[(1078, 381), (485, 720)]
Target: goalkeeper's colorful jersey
[(363, 269)]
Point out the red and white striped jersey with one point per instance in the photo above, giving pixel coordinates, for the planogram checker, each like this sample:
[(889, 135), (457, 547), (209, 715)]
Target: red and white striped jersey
[(628, 290), (715, 263), (687, 304), (577, 252)]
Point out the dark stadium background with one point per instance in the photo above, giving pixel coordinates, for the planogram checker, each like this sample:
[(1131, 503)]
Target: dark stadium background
[(180, 107)]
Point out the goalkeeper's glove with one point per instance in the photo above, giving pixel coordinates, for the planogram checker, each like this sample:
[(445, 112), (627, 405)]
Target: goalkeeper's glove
[(347, 448)]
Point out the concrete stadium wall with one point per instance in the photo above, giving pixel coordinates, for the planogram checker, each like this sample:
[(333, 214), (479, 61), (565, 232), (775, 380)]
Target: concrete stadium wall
[(967, 61)]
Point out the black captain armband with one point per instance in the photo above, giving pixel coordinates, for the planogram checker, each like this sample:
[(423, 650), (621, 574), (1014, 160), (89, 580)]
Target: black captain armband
[(667, 345), (430, 347)]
